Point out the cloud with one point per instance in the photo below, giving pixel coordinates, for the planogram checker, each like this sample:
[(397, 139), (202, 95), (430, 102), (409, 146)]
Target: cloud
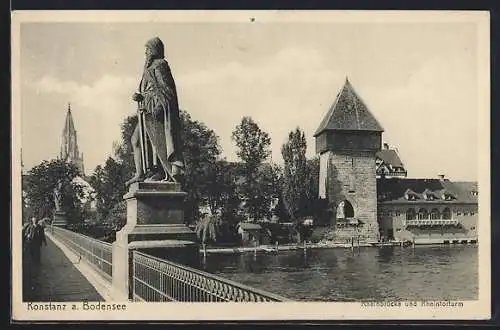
[(430, 116), (292, 88), (431, 112), (98, 110)]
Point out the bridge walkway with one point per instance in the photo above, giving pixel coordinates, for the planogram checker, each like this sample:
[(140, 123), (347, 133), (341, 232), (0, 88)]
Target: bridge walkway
[(56, 279)]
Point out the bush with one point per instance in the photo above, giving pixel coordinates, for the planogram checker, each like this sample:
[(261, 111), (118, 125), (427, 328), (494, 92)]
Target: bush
[(117, 217)]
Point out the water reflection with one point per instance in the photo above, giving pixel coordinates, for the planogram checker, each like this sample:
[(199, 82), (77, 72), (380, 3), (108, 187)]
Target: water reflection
[(359, 274)]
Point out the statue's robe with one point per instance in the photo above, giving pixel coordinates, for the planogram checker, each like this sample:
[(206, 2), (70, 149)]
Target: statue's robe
[(162, 118)]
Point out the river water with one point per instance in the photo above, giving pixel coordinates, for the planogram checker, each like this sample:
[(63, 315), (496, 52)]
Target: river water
[(430, 272)]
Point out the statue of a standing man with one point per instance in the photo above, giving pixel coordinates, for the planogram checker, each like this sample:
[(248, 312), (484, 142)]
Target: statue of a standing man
[(157, 134), (58, 196)]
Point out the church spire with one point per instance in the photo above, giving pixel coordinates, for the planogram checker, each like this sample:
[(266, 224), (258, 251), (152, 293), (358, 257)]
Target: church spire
[(69, 145)]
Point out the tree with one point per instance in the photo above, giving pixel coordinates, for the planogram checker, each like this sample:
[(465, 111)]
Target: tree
[(123, 150), (207, 229), (201, 152), (253, 149), (117, 216), (313, 206), (222, 196), (109, 185), (295, 176), (41, 181), (252, 142)]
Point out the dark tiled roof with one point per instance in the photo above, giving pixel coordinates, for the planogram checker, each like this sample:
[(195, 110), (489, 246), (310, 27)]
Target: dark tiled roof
[(349, 112), (393, 190), (390, 157)]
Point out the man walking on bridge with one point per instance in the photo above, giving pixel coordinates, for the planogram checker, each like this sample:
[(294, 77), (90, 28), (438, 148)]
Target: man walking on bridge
[(33, 237)]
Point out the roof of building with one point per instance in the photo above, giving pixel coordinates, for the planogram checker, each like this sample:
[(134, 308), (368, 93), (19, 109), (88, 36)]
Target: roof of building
[(394, 190), (349, 112), (390, 157)]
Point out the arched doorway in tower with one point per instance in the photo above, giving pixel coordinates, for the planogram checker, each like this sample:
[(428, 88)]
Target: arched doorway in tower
[(345, 213)]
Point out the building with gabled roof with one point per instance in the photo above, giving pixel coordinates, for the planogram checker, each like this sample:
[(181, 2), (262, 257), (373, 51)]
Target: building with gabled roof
[(427, 211), (370, 197), (389, 164)]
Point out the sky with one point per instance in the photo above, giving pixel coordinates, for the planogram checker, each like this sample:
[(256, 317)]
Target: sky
[(418, 79)]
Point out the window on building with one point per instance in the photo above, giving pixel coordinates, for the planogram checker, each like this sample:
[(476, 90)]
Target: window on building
[(422, 214), (410, 214), (446, 214), (398, 213), (459, 213), (472, 213), (466, 213), (472, 228), (434, 214)]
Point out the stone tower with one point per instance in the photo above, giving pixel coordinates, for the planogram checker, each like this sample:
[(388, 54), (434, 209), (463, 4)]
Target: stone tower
[(69, 145), (347, 141)]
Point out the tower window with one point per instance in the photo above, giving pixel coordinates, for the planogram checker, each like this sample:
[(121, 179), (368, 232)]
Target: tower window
[(352, 186)]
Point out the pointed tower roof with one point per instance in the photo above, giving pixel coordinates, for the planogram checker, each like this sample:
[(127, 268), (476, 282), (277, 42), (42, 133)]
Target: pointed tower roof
[(349, 112), (69, 126), (69, 145)]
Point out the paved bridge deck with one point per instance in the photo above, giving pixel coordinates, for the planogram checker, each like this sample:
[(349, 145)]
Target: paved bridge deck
[(57, 279)]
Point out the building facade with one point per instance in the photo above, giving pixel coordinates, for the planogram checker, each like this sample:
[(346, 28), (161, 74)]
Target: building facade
[(369, 195), (427, 211)]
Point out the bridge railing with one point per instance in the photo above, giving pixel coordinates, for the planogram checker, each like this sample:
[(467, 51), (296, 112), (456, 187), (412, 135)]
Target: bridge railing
[(156, 280), (96, 253)]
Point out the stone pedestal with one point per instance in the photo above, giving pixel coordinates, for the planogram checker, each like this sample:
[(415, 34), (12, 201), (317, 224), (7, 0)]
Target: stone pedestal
[(155, 225), (59, 219)]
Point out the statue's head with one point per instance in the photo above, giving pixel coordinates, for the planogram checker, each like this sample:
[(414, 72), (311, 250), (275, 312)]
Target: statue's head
[(33, 220), (154, 49)]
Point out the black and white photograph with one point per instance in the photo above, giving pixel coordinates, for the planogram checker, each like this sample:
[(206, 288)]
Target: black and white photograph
[(319, 165)]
